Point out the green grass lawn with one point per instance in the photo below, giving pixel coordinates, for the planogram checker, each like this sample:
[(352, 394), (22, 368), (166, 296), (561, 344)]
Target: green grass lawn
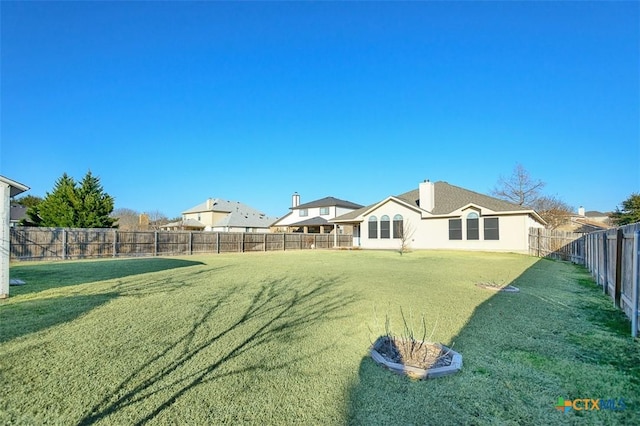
[(277, 338)]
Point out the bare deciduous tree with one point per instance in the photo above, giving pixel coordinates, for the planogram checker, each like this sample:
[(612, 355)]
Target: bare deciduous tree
[(519, 188), (127, 219), (553, 210), (405, 231), (156, 219)]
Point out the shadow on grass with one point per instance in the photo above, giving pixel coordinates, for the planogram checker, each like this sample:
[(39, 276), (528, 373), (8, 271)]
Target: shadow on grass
[(31, 316), (558, 337), (45, 276), (278, 312)]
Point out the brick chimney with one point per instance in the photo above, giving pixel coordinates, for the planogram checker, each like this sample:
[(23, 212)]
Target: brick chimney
[(427, 195)]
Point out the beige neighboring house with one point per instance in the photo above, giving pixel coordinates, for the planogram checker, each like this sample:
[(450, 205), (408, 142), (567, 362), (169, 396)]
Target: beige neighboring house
[(220, 215), (314, 217), (442, 216), (586, 221)]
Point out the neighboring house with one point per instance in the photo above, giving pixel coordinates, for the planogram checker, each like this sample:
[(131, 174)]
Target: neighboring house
[(222, 216), (586, 222), (442, 216), (17, 213), (313, 217)]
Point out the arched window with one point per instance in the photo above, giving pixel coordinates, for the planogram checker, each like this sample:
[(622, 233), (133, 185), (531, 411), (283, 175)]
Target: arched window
[(385, 227), (473, 226), (373, 227), (398, 227)]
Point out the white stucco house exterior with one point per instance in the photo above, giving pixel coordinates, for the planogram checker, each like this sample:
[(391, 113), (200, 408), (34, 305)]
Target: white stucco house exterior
[(442, 216), (220, 215), (315, 216)]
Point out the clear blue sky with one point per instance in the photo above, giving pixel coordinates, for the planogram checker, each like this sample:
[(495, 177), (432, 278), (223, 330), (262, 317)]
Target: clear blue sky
[(170, 103)]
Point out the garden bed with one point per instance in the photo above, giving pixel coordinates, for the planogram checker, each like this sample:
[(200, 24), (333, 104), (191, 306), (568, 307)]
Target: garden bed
[(416, 359)]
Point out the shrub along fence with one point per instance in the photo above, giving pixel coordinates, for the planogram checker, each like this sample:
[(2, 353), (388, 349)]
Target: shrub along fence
[(30, 243), (612, 257)]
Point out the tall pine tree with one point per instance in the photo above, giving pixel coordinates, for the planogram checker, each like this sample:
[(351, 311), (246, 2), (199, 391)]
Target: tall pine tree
[(70, 205), (94, 205)]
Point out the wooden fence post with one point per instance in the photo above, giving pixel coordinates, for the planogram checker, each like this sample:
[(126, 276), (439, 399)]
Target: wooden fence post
[(635, 283), (115, 243), (155, 243), (618, 288), (218, 242), (190, 242), (64, 244), (242, 242), (605, 263), (284, 241), (265, 241)]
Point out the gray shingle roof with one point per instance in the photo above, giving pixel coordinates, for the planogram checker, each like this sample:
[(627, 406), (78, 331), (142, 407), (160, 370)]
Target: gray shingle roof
[(239, 214), (447, 198), (245, 219), (218, 205), (450, 197), (314, 221), (329, 202), (17, 212)]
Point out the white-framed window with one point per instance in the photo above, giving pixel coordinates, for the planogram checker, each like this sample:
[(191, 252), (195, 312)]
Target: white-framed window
[(385, 227), (473, 226), (398, 226), (304, 212), (491, 228), (324, 211), (373, 227), (455, 229)]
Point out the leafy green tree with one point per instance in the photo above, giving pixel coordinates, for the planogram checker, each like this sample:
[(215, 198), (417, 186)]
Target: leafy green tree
[(70, 205), (28, 201), (630, 212)]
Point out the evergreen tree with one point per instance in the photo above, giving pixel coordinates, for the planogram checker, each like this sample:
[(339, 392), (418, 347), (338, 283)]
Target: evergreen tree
[(70, 205), (94, 205), (630, 212)]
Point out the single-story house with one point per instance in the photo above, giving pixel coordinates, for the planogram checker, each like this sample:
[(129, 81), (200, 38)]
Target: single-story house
[(442, 216), (313, 217), (220, 215)]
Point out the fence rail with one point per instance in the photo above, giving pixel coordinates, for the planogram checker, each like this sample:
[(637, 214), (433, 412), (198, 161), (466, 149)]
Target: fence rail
[(612, 257), (558, 245), (29, 243)]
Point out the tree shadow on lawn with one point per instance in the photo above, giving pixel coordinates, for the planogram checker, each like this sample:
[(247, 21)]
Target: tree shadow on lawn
[(30, 316), (22, 317), (278, 312), (517, 350), (45, 276)]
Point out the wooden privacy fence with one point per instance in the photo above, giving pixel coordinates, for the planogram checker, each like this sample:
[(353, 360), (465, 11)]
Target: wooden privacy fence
[(612, 257), (29, 243), (558, 245)]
